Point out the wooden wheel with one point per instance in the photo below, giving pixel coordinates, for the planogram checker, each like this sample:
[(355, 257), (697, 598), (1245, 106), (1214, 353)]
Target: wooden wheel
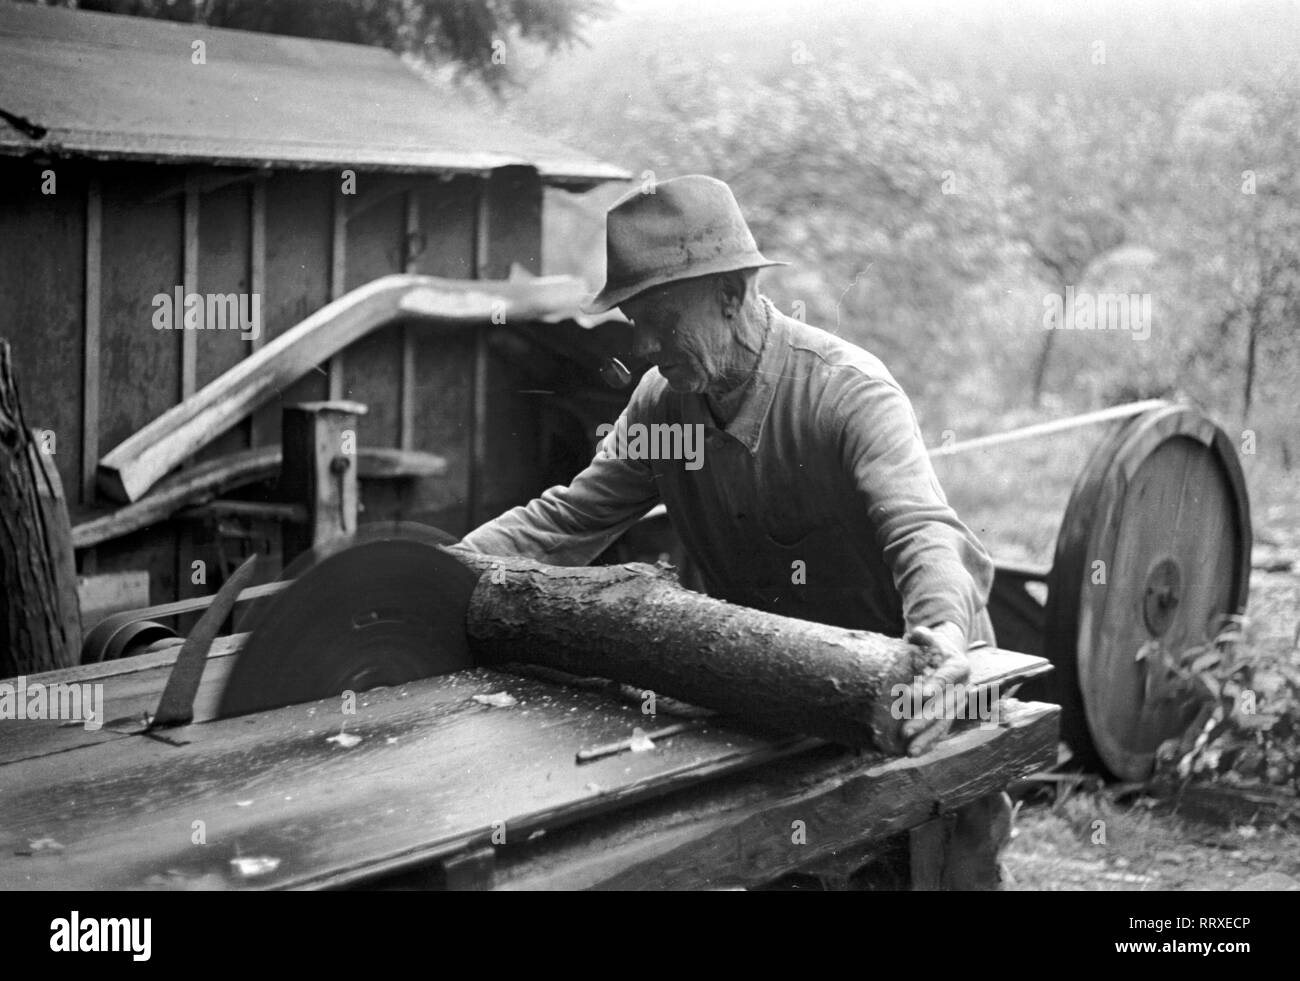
[(1154, 546)]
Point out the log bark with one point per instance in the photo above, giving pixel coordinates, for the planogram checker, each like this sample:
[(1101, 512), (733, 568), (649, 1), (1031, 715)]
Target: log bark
[(40, 627), (633, 623)]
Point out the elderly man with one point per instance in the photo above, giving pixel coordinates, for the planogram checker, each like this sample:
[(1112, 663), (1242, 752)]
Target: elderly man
[(814, 497)]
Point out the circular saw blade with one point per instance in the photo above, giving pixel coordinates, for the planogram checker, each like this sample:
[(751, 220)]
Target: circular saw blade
[(253, 611), (380, 608)]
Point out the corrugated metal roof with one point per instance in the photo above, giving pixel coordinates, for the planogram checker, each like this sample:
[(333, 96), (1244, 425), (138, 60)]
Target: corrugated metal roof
[(112, 86)]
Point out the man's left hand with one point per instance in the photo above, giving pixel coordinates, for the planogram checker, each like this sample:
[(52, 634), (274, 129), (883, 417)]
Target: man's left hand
[(949, 641)]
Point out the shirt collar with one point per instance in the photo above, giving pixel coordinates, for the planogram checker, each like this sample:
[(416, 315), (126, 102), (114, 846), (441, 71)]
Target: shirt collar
[(747, 426)]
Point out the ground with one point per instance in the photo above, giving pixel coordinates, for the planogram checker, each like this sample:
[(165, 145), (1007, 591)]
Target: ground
[(1138, 844), (1137, 848)]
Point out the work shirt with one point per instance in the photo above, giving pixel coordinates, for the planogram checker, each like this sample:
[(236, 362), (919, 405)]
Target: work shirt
[(817, 500)]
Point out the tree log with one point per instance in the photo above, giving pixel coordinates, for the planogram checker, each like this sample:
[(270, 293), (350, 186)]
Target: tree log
[(633, 623), (40, 627)]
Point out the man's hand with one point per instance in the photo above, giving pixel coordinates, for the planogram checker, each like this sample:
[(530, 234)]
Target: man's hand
[(937, 687)]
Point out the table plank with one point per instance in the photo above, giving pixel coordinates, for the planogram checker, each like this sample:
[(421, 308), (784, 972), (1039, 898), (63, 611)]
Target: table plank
[(129, 689), (737, 832), (434, 772)]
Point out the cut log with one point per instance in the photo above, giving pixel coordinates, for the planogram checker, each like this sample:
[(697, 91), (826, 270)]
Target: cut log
[(40, 628), (139, 462), (215, 477), (635, 624)]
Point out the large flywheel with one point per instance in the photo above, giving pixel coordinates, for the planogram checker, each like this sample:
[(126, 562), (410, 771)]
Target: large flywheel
[(1152, 560)]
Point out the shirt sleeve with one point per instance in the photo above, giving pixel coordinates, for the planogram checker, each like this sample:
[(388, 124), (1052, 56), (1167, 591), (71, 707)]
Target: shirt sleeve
[(940, 569), (574, 524)]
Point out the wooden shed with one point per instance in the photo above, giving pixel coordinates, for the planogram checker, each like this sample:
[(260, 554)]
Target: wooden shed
[(140, 158)]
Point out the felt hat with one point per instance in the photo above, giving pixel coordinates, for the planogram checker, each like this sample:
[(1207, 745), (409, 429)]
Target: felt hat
[(675, 229)]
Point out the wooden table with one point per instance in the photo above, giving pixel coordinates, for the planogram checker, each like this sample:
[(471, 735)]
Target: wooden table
[(444, 791)]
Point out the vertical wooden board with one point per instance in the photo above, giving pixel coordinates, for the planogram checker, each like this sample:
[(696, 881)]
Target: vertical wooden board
[(299, 222), (444, 360), (140, 379), (225, 239), (91, 336), (514, 236), (335, 369), (509, 233), (42, 270), (141, 259), (443, 366), (374, 364), (190, 280), (513, 463), (447, 210)]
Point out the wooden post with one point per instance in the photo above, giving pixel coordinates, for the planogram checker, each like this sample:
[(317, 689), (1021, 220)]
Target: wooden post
[(90, 378), (319, 470), (40, 625), (406, 390), (190, 263), (478, 386)]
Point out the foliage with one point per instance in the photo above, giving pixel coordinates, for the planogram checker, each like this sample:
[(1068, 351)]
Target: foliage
[(1123, 174), (1247, 731), (456, 31), (870, 180)]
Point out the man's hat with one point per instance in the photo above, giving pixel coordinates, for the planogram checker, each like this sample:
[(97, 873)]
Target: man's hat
[(676, 229)]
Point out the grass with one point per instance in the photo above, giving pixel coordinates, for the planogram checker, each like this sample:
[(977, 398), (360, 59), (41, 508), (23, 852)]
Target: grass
[(1087, 841)]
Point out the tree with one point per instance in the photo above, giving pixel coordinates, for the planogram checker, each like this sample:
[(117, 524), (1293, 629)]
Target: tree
[(876, 185), (1077, 179), (1237, 155), (469, 33)]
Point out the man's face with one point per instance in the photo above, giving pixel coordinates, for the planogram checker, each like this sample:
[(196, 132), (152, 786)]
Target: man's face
[(681, 328)]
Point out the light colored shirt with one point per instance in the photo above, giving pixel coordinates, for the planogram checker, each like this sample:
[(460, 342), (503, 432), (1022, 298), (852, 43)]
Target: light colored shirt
[(817, 500)]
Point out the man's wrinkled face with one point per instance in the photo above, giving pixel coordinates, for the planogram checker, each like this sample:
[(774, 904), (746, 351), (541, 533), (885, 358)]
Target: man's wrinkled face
[(681, 328)]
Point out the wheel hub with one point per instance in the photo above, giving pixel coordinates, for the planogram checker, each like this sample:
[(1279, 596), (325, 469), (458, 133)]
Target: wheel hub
[(1161, 596)]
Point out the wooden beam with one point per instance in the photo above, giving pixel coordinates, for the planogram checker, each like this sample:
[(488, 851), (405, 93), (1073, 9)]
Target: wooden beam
[(338, 280), (90, 367), (142, 459), (190, 260), (213, 477), (204, 181), (291, 513)]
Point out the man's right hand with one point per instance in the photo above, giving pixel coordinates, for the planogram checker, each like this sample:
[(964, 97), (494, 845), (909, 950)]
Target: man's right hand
[(938, 686)]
